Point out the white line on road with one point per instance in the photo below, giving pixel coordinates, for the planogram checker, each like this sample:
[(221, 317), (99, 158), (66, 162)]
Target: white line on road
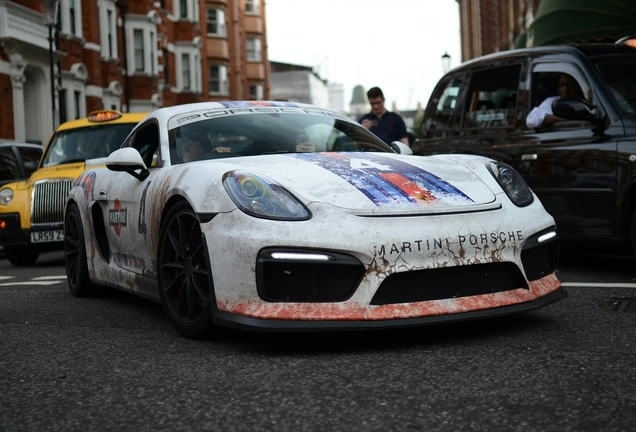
[(30, 283), (49, 277), (599, 285), (6, 277)]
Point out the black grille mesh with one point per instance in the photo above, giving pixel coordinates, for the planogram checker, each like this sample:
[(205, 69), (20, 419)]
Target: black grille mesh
[(308, 281), (449, 282)]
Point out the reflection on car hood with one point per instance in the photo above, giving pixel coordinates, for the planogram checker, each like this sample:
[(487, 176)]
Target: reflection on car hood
[(377, 183)]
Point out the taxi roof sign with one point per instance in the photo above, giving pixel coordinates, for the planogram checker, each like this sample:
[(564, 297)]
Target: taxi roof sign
[(629, 41), (105, 115)]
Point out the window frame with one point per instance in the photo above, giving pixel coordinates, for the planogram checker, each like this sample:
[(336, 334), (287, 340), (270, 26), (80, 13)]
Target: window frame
[(149, 46), (257, 50), (219, 22), (252, 7), (223, 81), (108, 34), (193, 67)]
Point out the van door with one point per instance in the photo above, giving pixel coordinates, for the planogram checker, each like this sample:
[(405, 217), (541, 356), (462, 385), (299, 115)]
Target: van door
[(474, 113), (571, 165)]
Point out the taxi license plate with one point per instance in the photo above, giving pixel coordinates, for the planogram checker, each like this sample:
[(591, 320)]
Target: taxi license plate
[(47, 236)]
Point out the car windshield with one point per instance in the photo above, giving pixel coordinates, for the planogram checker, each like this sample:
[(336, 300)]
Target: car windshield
[(77, 145), (620, 75), (261, 133)]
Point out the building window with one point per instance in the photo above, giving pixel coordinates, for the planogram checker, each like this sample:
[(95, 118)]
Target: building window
[(70, 17), (256, 92), (217, 79), (71, 12), (138, 40), (187, 9), (142, 37), (185, 71), (78, 104), (216, 22), (107, 29), (254, 49), (152, 53), (252, 7)]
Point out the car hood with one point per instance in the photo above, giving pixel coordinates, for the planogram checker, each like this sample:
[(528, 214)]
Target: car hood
[(377, 183)]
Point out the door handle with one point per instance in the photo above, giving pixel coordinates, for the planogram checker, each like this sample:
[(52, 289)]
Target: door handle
[(102, 196), (529, 157)]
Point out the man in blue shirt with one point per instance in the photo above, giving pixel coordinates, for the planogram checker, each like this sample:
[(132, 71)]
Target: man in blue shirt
[(388, 126)]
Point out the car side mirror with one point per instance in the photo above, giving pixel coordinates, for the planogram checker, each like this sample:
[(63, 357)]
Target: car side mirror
[(575, 109), (400, 148), (30, 167), (128, 160)]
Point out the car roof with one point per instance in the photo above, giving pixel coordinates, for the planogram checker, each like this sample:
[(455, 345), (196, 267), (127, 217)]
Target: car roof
[(168, 114), (581, 49)]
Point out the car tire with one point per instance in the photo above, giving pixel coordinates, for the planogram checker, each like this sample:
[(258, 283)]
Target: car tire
[(79, 280), (21, 256), (183, 273)]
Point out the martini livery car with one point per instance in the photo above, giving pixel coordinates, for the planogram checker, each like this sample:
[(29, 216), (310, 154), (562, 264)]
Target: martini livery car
[(281, 216)]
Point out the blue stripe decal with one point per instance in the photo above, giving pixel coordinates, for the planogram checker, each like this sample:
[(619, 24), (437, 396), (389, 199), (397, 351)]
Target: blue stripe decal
[(383, 180)]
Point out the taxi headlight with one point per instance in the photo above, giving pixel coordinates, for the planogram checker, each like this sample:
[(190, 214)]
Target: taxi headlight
[(512, 183), (6, 196), (263, 198)]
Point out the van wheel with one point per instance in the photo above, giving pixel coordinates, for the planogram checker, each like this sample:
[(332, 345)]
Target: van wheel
[(21, 256)]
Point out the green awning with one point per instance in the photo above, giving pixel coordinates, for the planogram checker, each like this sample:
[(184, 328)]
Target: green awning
[(572, 21)]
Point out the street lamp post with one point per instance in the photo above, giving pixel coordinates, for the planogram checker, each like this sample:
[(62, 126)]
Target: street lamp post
[(49, 12), (446, 62)]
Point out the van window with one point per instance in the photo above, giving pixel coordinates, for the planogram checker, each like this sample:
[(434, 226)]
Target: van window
[(443, 111), (492, 99)]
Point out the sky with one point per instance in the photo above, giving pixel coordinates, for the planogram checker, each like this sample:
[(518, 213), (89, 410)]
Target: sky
[(396, 45)]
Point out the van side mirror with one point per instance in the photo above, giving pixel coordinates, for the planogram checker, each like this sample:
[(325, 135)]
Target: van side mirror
[(574, 109)]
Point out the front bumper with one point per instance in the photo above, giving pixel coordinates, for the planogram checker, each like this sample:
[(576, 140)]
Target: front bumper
[(269, 325), (13, 235)]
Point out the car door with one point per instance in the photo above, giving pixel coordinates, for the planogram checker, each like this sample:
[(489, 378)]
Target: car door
[(125, 207), (571, 165), (475, 113)]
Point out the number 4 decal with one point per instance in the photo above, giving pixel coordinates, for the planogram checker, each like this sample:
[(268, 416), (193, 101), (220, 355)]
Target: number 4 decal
[(366, 164)]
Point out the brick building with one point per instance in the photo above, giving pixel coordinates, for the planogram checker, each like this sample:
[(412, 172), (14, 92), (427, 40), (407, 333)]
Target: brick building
[(129, 55), (489, 26)]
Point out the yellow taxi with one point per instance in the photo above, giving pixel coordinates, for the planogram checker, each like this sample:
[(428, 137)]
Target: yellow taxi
[(32, 211)]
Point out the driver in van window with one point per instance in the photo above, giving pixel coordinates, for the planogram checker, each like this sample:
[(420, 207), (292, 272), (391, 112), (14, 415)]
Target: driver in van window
[(542, 115)]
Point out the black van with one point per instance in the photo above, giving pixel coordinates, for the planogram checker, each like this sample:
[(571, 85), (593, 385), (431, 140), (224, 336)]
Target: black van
[(582, 165)]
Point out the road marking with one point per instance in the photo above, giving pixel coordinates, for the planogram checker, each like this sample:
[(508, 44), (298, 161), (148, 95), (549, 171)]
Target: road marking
[(599, 285), (49, 277), (30, 283), (40, 280)]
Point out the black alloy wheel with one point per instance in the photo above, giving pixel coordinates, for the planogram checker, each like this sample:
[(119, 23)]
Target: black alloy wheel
[(183, 266), (79, 280)]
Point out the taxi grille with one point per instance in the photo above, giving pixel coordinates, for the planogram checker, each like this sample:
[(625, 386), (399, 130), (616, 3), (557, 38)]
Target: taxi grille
[(49, 198)]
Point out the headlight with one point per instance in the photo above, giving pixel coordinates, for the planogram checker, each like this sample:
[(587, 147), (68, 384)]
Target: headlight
[(512, 183), (263, 198), (6, 196)]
